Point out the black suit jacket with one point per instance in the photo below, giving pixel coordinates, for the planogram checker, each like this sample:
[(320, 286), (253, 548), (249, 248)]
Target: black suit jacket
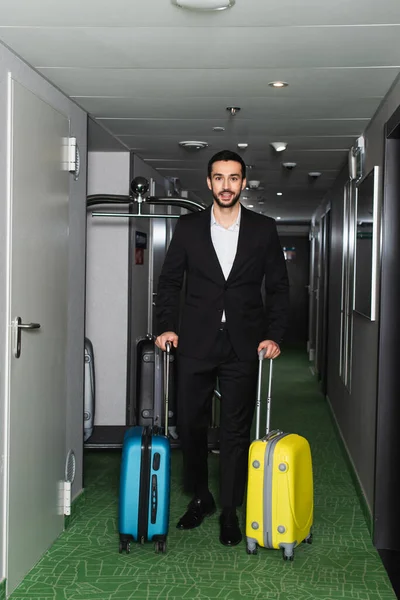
[(207, 294)]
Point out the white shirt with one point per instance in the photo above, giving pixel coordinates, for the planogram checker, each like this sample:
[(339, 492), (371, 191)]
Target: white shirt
[(225, 243)]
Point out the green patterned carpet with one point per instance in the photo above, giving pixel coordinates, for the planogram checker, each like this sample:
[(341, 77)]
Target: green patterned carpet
[(84, 563)]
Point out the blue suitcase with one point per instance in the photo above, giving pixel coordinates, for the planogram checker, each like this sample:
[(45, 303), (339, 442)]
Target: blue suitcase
[(145, 484)]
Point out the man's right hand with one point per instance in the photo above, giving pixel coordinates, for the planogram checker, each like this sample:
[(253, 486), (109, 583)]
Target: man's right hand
[(167, 336)]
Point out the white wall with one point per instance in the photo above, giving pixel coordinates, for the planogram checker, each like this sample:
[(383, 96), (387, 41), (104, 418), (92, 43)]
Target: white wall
[(78, 120), (107, 286)]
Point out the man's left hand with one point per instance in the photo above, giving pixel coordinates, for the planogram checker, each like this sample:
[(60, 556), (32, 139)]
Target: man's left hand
[(272, 349)]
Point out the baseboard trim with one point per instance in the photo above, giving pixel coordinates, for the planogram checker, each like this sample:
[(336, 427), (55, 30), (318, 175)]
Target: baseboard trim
[(3, 589), (353, 472), (76, 508)]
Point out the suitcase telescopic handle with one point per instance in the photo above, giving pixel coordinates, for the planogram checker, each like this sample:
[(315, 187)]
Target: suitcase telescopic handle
[(261, 355), (167, 358)]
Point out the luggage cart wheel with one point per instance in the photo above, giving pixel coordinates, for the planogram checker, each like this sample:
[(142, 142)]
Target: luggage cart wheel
[(309, 539), (286, 557)]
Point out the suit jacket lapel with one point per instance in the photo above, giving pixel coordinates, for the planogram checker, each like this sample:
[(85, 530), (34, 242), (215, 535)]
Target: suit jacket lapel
[(211, 257), (243, 243)]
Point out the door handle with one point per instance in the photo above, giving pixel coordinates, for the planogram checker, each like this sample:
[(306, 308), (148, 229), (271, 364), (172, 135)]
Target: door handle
[(29, 325), (18, 326)]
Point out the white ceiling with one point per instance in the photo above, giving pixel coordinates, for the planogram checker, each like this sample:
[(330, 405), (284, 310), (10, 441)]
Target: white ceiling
[(154, 74)]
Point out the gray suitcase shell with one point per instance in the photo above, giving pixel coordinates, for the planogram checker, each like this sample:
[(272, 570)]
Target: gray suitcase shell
[(151, 385), (89, 396)]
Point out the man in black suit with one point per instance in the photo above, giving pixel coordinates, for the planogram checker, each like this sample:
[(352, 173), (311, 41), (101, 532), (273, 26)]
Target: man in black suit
[(225, 251)]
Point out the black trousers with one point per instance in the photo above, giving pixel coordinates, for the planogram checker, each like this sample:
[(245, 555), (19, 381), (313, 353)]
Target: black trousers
[(237, 385)]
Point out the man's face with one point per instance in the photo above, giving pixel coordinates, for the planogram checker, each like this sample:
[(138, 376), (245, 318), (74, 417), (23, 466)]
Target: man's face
[(226, 182)]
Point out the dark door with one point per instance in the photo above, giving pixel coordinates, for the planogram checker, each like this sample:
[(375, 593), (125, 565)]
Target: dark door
[(387, 474), (297, 253)]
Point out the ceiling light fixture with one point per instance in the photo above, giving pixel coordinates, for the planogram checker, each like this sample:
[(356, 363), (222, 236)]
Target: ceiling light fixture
[(250, 206), (279, 146), (278, 218), (233, 109), (279, 193), (193, 145), (278, 84), (218, 128), (204, 4), (243, 146)]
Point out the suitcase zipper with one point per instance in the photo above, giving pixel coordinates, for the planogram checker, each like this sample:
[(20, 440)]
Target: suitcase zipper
[(268, 476), (144, 492)]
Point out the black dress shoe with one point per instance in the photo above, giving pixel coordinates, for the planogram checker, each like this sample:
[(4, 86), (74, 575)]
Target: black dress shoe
[(230, 534), (197, 510)]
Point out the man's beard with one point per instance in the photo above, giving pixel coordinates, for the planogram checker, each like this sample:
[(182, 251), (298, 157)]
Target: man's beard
[(229, 204)]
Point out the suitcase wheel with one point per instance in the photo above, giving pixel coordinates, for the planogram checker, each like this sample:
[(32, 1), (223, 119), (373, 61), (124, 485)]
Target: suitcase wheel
[(124, 545), (309, 539), (251, 548), (160, 546), (285, 556)]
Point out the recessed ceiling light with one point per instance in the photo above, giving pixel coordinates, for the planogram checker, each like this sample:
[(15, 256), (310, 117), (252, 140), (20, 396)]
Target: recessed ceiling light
[(278, 218), (279, 146), (245, 197), (218, 128), (249, 166), (204, 4), (279, 193), (243, 146), (193, 145), (278, 84), (250, 206)]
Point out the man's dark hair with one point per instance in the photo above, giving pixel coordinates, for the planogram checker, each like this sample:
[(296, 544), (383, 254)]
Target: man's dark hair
[(226, 155)]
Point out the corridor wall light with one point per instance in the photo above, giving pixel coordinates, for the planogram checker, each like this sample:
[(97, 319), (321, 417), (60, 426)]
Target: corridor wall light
[(204, 4), (254, 184), (279, 146)]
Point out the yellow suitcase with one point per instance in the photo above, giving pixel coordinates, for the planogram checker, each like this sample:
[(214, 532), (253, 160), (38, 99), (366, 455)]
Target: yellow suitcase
[(279, 512)]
